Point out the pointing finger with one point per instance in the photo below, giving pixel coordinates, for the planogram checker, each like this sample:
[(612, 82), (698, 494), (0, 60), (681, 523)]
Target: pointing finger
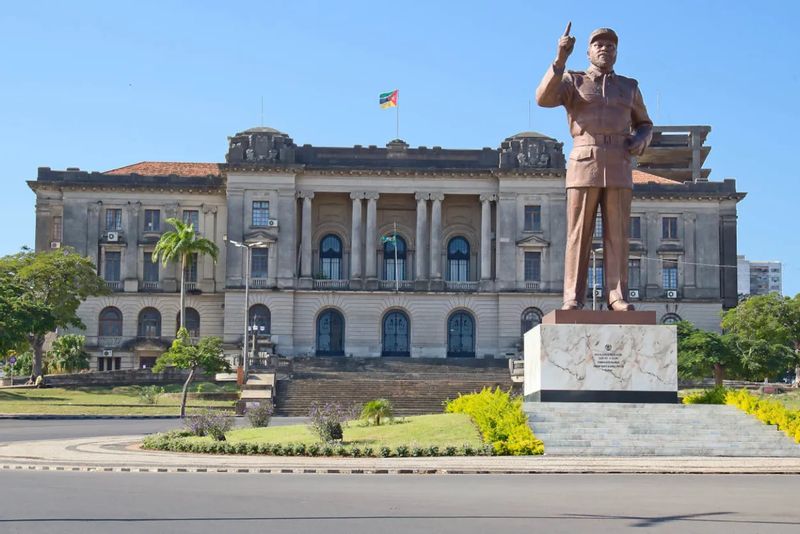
[(569, 27)]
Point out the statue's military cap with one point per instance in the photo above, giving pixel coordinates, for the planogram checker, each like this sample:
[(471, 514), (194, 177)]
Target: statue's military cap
[(605, 33)]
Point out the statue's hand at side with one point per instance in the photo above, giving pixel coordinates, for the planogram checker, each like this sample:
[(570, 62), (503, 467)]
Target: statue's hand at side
[(635, 145), (565, 46)]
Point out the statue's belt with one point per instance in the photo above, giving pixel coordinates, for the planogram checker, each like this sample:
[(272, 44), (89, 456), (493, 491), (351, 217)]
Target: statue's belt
[(586, 139)]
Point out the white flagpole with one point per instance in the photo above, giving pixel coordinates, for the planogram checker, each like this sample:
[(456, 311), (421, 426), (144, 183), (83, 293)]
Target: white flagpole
[(396, 278)]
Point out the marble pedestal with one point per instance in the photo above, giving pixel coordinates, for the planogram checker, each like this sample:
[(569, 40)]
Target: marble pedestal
[(590, 357)]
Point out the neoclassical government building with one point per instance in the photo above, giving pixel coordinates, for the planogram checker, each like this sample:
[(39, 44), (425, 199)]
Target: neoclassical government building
[(370, 251)]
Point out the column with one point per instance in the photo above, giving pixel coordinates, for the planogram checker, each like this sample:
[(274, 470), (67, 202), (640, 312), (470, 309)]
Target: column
[(422, 230), (93, 234), (370, 270), (651, 264), (486, 236), (206, 274), (131, 273), (690, 256), (305, 237), (436, 236), (355, 237)]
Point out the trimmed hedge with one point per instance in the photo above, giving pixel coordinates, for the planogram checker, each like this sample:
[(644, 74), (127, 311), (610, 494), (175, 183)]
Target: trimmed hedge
[(709, 396), (176, 441), (769, 411), (500, 420)]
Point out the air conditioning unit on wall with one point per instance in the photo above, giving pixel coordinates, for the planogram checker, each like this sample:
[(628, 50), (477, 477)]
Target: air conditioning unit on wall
[(272, 223), (107, 353), (112, 237), (633, 293), (55, 244), (672, 293)]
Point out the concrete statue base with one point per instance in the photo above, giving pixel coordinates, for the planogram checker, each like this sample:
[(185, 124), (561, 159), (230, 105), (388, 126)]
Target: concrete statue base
[(586, 356)]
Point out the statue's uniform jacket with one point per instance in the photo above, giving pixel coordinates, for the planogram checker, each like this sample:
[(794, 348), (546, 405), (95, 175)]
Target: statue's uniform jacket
[(606, 114), (603, 110)]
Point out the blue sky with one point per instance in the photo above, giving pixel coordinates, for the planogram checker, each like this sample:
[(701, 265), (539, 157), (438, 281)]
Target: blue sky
[(98, 85)]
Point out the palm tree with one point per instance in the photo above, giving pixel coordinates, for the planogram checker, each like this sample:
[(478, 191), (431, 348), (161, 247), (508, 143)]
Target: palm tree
[(178, 246)]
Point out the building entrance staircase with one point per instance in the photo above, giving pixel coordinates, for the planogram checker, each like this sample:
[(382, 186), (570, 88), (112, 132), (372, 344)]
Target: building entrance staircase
[(413, 385), (621, 429)]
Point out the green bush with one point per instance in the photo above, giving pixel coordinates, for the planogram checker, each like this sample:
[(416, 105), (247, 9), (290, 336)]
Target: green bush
[(708, 396), (769, 411), (150, 394), (500, 420), (376, 410)]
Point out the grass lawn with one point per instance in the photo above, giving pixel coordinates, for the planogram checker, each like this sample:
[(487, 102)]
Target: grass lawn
[(790, 399), (120, 400), (443, 430)]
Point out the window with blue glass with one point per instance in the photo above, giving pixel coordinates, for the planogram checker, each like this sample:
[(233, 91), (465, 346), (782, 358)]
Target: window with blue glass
[(533, 266), (330, 257), (192, 217), (259, 262), (394, 259), (260, 213), (458, 260)]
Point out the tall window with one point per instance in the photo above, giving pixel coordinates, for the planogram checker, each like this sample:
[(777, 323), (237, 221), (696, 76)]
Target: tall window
[(260, 319), (396, 334), (58, 228), (150, 271), (258, 262), (458, 260), (634, 273), (330, 333), (533, 219), (533, 266), (192, 322), (460, 336), (330, 257), (389, 265), (111, 269), (595, 275), (669, 228), (152, 220), (113, 219), (260, 213), (530, 318), (110, 322), (636, 227), (192, 217), (149, 323), (598, 226), (669, 274), (191, 268)]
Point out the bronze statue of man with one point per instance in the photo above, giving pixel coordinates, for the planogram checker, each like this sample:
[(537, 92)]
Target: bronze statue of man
[(609, 124)]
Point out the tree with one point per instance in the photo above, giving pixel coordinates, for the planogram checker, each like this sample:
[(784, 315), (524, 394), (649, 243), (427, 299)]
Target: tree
[(51, 286), (766, 332), (178, 246), (701, 352), (377, 410), (206, 355), (67, 353)]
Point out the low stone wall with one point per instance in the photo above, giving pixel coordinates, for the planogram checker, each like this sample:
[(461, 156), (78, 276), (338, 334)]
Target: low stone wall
[(127, 377)]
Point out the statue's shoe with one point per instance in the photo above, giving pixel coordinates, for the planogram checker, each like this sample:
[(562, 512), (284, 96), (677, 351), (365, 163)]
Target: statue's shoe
[(620, 305), (572, 305)]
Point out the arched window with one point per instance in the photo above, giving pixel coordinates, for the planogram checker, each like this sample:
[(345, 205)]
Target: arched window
[(149, 323), (110, 322), (192, 323), (458, 260), (671, 318), (330, 257), (460, 335), (330, 333), (530, 318), (396, 334), (260, 319), (394, 250)]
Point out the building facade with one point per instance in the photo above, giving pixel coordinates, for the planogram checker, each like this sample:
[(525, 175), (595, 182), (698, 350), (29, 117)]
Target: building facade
[(367, 251), (759, 277)]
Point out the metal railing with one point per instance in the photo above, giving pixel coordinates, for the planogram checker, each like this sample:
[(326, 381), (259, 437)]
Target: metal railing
[(104, 342), (392, 284), (190, 286), (331, 284), (461, 286)]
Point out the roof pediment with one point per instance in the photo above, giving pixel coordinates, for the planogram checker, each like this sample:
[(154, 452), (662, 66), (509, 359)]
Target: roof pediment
[(533, 240)]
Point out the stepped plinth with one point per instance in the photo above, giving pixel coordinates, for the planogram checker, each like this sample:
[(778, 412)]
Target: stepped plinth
[(594, 356)]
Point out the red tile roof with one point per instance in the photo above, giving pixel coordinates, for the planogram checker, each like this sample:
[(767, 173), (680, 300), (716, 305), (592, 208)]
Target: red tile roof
[(641, 177), (164, 168)]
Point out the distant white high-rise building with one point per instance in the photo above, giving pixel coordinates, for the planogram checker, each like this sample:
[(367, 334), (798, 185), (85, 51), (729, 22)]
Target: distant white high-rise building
[(759, 277)]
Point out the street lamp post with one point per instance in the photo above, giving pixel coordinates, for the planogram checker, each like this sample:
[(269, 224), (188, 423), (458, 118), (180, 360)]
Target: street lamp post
[(595, 251), (246, 298)]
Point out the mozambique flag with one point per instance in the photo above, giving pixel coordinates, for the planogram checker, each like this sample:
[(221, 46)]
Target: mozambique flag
[(389, 100), (389, 239)]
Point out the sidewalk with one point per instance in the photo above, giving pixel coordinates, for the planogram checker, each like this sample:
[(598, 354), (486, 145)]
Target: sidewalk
[(121, 454)]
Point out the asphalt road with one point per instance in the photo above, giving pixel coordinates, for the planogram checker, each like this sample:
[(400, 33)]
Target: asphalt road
[(35, 429), (46, 502)]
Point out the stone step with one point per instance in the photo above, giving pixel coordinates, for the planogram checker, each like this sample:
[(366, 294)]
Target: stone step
[(672, 451)]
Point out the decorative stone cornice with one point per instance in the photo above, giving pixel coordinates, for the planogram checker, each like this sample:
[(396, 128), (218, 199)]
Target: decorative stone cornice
[(488, 197), (305, 194)]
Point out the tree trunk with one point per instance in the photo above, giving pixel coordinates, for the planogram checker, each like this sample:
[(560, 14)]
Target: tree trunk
[(183, 292), (719, 374), (185, 392), (37, 343)]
